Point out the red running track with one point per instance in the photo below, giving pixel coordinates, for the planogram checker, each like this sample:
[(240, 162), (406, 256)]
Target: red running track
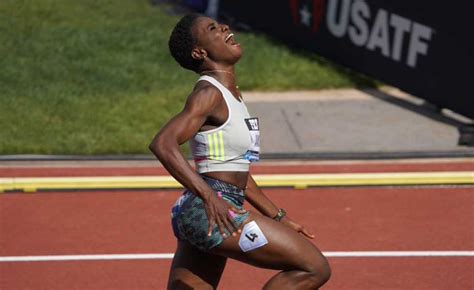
[(265, 168), (344, 219)]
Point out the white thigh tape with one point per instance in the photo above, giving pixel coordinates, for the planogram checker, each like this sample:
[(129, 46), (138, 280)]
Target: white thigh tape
[(252, 237)]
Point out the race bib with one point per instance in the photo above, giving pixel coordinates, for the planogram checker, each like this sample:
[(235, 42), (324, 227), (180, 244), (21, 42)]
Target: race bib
[(252, 237), (253, 154)]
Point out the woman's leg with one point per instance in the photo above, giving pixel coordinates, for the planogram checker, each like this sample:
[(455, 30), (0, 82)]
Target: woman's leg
[(302, 264), (194, 269)]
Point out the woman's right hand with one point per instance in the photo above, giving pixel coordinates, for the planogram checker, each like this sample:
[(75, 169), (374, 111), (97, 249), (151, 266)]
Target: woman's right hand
[(221, 213)]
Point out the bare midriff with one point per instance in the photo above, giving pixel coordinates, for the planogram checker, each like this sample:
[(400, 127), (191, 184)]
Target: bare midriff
[(237, 178)]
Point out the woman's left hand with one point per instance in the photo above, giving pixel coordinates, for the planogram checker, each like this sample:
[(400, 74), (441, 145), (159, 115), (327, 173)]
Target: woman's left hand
[(297, 227)]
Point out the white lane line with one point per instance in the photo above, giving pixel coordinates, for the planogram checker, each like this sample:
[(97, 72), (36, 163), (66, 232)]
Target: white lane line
[(387, 254), (167, 256), (87, 257)]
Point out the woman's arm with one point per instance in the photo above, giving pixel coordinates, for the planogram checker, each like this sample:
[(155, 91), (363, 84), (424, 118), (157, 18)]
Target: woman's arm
[(258, 199), (263, 204), (177, 131), (200, 106)]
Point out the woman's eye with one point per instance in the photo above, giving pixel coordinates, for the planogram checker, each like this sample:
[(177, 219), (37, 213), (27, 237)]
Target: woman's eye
[(213, 27)]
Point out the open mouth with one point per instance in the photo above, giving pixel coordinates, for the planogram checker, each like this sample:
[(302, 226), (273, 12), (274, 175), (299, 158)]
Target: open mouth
[(230, 39)]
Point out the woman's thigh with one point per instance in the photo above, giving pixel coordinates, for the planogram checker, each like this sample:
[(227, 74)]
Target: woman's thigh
[(194, 269), (286, 249)]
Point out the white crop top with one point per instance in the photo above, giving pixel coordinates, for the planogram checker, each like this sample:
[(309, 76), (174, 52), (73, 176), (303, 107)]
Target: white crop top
[(233, 145)]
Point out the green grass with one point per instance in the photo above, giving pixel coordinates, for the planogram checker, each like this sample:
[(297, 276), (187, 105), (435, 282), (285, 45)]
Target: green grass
[(95, 77)]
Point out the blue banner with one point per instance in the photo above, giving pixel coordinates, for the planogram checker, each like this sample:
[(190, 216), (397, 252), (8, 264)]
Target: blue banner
[(423, 47)]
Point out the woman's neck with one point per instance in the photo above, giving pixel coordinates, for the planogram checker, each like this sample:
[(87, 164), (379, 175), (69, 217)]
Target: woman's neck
[(225, 76), (217, 71)]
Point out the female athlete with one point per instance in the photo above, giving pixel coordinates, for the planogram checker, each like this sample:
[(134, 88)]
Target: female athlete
[(208, 219)]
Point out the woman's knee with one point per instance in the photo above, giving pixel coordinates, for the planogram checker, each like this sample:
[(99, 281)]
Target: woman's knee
[(324, 270), (324, 273), (319, 269)]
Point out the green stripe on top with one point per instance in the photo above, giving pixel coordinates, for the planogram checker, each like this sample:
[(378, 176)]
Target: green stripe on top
[(216, 146), (221, 145), (211, 147)]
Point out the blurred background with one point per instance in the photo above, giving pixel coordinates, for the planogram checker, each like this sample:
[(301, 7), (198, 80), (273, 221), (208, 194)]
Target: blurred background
[(95, 77), (366, 113)]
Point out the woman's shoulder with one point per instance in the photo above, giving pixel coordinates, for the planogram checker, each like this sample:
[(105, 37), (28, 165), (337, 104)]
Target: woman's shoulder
[(204, 95)]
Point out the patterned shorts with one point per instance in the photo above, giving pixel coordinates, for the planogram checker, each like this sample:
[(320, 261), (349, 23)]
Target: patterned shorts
[(189, 219)]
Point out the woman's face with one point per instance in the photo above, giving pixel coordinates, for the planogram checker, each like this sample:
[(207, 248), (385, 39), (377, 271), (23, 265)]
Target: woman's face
[(216, 41)]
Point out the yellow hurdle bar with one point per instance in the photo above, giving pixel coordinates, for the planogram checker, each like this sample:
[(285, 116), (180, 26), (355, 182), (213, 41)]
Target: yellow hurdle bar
[(299, 181)]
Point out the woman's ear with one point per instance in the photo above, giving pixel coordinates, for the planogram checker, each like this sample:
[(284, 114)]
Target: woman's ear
[(198, 53)]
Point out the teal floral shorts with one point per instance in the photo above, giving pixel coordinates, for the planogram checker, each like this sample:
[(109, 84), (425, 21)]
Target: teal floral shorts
[(189, 219)]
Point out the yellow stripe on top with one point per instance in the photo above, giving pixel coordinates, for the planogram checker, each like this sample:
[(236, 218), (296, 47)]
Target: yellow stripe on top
[(221, 143), (211, 147), (216, 146)]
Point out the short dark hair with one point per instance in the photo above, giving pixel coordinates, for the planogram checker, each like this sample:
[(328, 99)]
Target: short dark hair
[(182, 42)]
